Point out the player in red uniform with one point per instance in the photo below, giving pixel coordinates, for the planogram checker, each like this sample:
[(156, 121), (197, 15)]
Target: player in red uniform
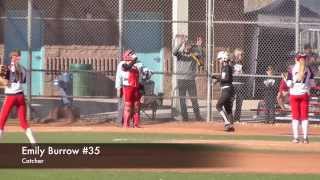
[(15, 77), (128, 80), (300, 80)]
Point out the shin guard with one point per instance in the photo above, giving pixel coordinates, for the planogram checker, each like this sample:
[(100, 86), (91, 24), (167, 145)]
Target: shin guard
[(127, 113), (136, 114)]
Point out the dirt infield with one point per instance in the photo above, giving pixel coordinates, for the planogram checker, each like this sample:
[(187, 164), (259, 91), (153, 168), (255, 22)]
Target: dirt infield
[(271, 157), (258, 156), (243, 162), (212, 128)]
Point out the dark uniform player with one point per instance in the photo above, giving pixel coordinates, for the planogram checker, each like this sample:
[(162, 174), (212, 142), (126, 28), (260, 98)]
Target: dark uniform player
[(224, 104)]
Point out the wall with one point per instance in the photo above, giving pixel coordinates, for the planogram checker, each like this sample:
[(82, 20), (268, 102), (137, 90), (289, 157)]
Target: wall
[(103, 60)]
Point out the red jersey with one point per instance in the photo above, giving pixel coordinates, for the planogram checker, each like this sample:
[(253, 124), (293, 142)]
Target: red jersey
[(283, 86)]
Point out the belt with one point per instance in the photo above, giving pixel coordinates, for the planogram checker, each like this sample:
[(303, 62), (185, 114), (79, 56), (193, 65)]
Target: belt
[(225, 87), (18, 93)]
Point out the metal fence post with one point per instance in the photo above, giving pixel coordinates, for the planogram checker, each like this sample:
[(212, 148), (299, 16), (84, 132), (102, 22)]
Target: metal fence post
[(29, 95), (120, 24), (120, 27), (210, 46), (297, 27)]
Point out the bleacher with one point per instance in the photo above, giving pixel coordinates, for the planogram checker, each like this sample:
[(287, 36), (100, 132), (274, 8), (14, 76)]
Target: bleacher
[(285, 115)]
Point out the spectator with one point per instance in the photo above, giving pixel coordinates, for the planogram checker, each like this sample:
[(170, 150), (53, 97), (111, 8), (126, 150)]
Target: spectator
[(198, 52), (312, 59), (270, 96), (283, 93), (64, 85), (238, 82), (186, 69)]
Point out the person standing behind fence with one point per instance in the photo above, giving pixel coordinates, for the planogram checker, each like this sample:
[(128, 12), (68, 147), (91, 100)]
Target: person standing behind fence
[(224, 104), (197, 52), (283, 92), (300, 84), (312, 59), (187, 63), (15, 76), (270, 95), (313, 62), (239, 84)]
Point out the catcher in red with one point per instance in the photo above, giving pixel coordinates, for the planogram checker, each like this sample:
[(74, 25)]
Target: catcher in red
[(128, 79), (12, 78)]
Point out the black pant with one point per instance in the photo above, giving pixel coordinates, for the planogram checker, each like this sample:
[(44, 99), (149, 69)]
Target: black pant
[(226, 100), (270, 100), (270, 109), (189, 86), (239, 92)]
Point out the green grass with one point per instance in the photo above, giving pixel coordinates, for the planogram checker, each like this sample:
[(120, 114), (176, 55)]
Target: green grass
[(107, 137), (126, 175)]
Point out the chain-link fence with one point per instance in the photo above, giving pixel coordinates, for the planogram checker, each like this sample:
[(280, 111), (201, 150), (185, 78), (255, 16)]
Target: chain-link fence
[(79, 43)]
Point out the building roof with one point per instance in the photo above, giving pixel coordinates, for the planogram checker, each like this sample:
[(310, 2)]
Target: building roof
[(285, 8)]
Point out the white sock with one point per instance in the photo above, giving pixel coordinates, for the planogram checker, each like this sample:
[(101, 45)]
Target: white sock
[(304, 125), (224, 117), (30, 136), (295, 127)]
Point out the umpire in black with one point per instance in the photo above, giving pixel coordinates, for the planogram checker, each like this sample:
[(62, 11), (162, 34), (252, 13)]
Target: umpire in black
[(225, 102)]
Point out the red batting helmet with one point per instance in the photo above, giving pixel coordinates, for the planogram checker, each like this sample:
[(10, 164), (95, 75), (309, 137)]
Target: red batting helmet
[(129, 55)]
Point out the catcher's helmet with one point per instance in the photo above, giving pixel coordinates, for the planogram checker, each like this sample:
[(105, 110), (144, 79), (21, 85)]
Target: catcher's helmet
[(129, 55), (223, 56)]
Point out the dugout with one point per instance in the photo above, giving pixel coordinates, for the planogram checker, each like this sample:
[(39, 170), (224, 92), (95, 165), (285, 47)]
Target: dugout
[(273, 39)]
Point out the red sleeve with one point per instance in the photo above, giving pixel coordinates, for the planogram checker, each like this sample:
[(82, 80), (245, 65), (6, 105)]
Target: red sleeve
[(283, 86)]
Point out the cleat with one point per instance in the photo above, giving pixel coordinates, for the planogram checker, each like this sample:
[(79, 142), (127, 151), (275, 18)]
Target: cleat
[(305, 141), (231, 118), (295, 141), (231, 129), (125, 126), (228, 128)]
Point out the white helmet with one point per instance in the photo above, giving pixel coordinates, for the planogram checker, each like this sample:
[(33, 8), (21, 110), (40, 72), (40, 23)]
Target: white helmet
[(223, 56)]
